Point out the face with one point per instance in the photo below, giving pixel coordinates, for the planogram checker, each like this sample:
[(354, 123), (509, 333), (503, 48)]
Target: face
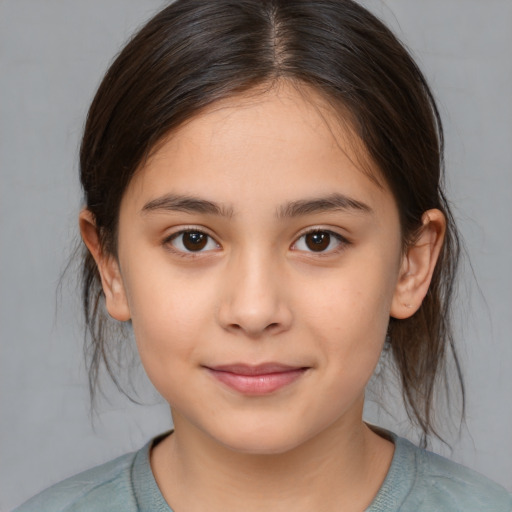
[(258, 265)]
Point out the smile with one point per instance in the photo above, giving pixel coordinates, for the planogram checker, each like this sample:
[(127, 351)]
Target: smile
[(256, 380)]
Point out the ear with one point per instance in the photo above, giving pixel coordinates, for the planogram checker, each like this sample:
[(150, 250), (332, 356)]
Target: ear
[(108, 267), (418, 265)]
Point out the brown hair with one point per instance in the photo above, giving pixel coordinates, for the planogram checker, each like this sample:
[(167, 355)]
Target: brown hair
[(195, 52)]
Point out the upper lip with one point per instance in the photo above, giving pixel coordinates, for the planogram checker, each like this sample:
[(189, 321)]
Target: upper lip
[(259, 369)]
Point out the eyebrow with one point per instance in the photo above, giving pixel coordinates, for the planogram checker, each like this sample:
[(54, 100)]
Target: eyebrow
[(187, 204), (333, 202), (190, 204)]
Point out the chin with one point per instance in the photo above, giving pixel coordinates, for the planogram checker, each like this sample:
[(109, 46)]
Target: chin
[(272, 440), (265, 447)]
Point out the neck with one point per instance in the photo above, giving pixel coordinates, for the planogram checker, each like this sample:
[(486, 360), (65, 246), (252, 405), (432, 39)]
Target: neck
[(340, 469)]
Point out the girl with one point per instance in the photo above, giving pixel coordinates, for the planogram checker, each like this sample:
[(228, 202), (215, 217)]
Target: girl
[(264, 208)]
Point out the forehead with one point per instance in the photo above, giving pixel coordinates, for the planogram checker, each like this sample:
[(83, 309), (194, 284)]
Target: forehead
[(286, 139)]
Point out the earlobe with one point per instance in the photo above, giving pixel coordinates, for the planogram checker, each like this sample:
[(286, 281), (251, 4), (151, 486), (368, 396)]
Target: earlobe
[(418, 265), (108, 267)]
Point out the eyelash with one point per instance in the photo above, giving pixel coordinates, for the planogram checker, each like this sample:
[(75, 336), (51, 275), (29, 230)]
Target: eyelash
[(185, 253), (342, 242)]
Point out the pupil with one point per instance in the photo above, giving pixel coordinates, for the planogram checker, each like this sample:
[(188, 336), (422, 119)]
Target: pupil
[(318, 241), (194, 241)]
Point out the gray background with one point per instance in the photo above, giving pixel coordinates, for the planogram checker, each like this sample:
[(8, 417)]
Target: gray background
[(52, 56)]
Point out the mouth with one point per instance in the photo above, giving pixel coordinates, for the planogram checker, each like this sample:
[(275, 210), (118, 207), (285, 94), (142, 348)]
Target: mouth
[(257, 380)]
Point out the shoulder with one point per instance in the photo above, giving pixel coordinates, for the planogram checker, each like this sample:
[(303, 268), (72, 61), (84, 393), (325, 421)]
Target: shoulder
[(103, 488), (421, 481), (441, 484)]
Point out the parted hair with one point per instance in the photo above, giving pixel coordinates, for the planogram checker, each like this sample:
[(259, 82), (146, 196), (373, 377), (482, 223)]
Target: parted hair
[(196, 52)]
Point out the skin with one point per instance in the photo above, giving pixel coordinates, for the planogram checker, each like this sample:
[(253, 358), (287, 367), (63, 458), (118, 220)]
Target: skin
[(257, 293)]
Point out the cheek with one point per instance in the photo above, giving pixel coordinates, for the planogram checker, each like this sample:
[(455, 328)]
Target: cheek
[(170, 313), (348, 315), (353, 302)]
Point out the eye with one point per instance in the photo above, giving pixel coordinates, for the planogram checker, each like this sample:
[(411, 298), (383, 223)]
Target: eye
[(320, 241), (192, 241)]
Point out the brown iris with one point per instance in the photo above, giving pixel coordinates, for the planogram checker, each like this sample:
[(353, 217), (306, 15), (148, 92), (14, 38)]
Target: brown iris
[(318, 240), (194, 240)]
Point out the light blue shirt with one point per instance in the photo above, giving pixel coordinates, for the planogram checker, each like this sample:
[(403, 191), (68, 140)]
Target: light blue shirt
[(417, 481)]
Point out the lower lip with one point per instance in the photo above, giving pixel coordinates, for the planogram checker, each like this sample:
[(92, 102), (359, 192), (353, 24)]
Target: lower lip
[(262, 384)]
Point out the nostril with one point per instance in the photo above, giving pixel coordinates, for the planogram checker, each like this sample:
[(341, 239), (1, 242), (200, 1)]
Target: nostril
[(254, 317), (269, 328)]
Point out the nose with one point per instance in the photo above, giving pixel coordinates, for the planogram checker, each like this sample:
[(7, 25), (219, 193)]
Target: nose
[(253, 297)]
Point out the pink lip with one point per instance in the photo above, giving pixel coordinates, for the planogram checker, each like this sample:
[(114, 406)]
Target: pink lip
[(256, 380)]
